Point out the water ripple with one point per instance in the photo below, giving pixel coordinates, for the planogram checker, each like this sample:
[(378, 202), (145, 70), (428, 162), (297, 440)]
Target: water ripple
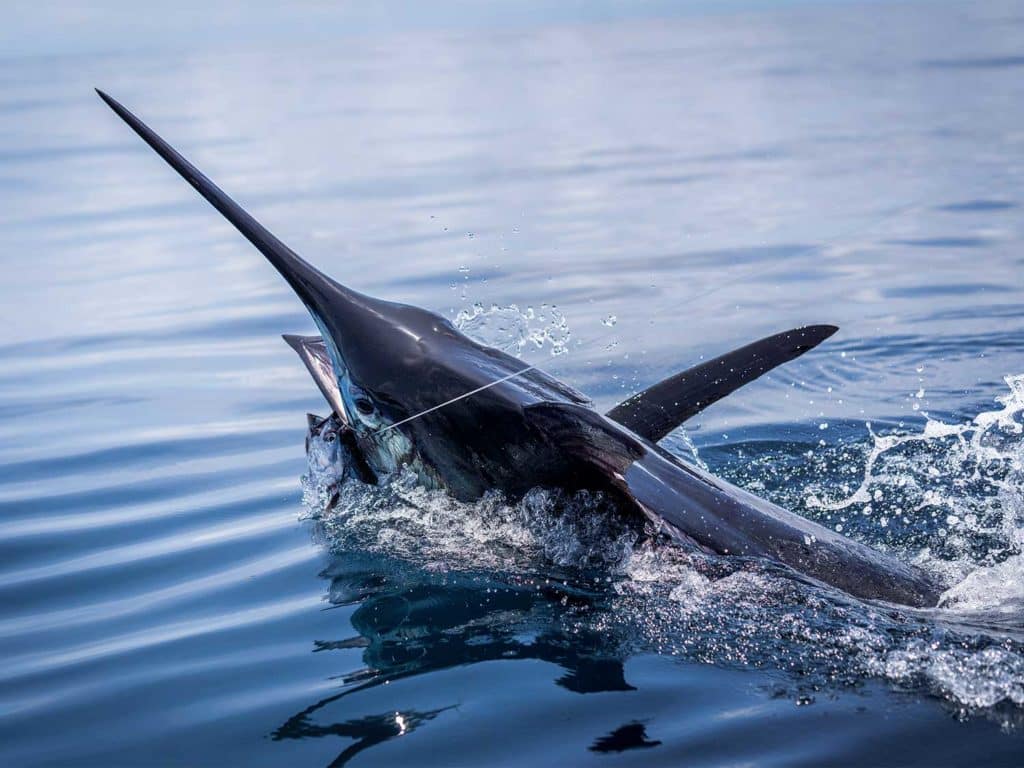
[(706, 179)]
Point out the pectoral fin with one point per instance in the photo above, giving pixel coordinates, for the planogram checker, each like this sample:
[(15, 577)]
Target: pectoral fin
[(658, 410)]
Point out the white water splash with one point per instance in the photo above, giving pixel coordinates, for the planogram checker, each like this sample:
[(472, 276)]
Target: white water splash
[(400, 517), (957, 493), (969, 653), (974, 679), (512, 330)]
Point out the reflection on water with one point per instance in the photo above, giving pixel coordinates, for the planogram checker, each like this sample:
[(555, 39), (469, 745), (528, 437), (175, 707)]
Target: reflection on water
[(580, 590), (629, 736), (666, 181), (410, 622), (414, 621)]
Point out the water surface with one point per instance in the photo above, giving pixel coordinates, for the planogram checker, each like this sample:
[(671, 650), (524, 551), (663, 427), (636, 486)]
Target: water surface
[(645, 187)]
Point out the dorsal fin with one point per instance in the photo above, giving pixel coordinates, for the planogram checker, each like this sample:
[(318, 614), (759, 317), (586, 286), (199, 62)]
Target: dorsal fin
[(658, 410), (314, 355)]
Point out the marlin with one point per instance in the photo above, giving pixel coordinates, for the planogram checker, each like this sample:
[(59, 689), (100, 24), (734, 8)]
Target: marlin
[(406, 388)]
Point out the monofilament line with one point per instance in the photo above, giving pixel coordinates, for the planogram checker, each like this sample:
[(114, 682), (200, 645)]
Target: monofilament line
[(455, 399)]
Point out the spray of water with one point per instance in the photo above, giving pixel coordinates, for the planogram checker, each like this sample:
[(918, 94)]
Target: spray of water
[(950, 496), (513, 330), (954, 492)]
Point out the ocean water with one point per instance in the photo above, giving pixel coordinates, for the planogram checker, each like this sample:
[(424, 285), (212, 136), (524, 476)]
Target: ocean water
[(610, 192)]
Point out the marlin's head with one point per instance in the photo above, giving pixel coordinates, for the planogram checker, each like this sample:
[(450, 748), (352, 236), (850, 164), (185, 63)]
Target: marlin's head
[(381, 363), (380, 352), (375, 350)]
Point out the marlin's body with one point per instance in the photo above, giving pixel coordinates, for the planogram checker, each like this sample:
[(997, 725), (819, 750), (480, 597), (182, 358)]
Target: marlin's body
[(406, 388)]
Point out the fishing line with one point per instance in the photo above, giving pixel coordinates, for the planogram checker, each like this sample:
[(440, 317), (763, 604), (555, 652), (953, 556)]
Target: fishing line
[(455, 399)]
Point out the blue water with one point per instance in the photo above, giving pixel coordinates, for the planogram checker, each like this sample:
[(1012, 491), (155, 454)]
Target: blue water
[(670, 181)]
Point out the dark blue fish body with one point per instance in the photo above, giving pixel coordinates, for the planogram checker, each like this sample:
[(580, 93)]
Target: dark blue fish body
[(408, 389)]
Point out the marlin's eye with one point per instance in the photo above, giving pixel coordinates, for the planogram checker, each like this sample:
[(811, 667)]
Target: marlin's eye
[(329, 436), (364, 406)]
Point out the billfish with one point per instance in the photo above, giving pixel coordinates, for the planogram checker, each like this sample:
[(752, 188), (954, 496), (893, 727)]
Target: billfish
[(406, 388)]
